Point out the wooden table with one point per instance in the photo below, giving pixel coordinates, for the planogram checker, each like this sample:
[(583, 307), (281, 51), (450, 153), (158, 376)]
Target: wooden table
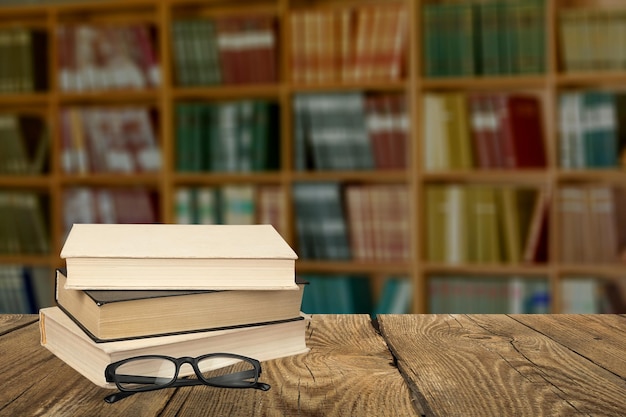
[(435, 365)]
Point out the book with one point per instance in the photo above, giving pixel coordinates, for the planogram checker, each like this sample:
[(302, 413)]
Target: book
[(61, 336), (169, 256), (107, 315)]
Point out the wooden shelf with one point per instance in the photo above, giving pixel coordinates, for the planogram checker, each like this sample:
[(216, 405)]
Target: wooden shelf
[(159, 14)]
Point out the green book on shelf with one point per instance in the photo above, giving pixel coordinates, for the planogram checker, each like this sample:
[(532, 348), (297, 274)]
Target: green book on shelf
[(182, 52), (184, 131), (210, 65), (529, 36), (507, 42), (432, 42), (490, 32), (265, 136)]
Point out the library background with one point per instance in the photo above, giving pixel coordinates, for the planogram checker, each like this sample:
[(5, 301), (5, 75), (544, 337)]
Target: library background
[(420, 156)]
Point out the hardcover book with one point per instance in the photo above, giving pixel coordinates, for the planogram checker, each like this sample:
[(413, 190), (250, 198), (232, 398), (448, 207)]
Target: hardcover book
[(61, 336), (107, 315), (168, 256)]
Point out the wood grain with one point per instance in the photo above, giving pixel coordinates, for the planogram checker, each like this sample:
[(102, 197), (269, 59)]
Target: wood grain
[(492, 365), (10, 322), (599, 338), (348, 372)]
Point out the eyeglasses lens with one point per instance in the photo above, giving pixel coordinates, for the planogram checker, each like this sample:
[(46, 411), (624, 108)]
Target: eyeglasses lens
[(227, 371), (145, 373)]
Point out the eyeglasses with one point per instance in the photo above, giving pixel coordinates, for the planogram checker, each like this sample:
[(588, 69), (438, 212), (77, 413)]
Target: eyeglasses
[(152, 372)]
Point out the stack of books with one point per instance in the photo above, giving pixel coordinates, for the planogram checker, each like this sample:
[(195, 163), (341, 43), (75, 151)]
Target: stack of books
[(175, 290)]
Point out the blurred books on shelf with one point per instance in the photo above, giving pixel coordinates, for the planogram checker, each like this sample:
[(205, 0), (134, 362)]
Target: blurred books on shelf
[(232, 136), (108, 205), (488, 295), (592, 129), (24, 144), (320, 221), (349, 44), (486, 224), (24, 223), (111, 140), (25, 60), (350, 131), (484, 131), (378, 222), (103, 56), (225, 50), (231, 204), (24, 289), (587, 35), (592, 224), (353, 294), (492, 37)]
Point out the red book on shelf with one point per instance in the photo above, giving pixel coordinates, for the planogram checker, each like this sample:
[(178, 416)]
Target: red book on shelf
[(484, 125), (396, 108), (147, 55), (521, 130), (227, 29), (260, 49)]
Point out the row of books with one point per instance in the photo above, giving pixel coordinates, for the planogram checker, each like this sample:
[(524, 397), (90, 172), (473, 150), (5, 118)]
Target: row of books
[(488, 295), (120, 301), (225, 50), (350, 131), (592, 129), (25, 60), (24, 226), (348, 44), (588, 38), (493, 37), (480, 130), (360, 222), (522, 295), (592, 223), (486, 224), (234, 136), (97, 140), (589, 295), (24, 289), (378, 218), (353, 294), (24, 144), (106, 57), (231, 204), (108, 205)]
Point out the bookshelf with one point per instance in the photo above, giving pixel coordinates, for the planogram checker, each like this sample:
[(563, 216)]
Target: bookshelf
[(545, 82)]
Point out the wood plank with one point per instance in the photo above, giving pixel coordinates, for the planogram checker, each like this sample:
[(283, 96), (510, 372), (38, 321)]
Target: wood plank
[(10, 322), (349, 371), (41, 384), (491, 365), (599, 338)]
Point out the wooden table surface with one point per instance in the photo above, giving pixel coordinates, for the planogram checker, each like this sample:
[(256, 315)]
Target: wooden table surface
[(434, 365)]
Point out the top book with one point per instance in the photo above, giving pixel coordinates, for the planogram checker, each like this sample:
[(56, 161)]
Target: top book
[(172, 256)]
